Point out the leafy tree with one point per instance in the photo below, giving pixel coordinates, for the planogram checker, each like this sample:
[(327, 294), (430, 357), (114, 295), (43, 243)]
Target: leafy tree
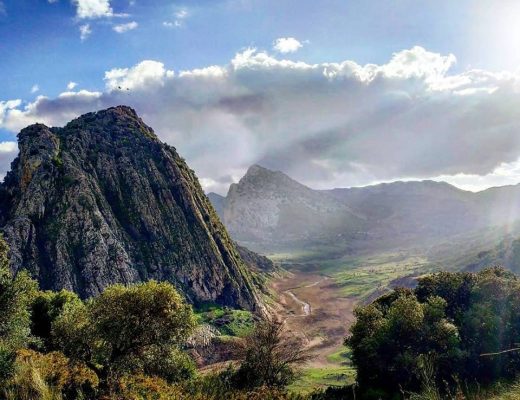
[(15, 298), (72, 333), (270, 357), (140, 328), (467, 325)]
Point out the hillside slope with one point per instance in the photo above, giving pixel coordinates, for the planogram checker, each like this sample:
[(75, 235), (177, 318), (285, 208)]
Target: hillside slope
[(103, 201)]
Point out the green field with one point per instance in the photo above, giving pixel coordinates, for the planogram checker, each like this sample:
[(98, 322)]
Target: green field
[(361, 278), (314, 378), (228, 321)]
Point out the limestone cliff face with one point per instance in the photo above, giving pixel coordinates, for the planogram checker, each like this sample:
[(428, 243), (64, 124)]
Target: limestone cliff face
[(268, 207), (103, 201)]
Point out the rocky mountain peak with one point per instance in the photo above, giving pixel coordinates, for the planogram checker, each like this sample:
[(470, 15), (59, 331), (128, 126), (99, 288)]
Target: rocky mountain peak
[(103, 201), (265, 182)]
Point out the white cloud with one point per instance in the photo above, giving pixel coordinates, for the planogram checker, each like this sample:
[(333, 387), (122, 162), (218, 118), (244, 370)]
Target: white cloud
[(3, 11), (93, 8), (121, 28), (180, 16), (84, 31), (53, 1), (287, 45), (145, 75), (328, 124), (6, 106), (8, 147), (35, 88), (71, 85), (8, 151)]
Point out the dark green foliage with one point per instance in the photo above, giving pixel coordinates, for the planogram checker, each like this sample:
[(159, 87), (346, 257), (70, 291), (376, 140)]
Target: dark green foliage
[(126, 343), (15, 297), (45, 308), (460, 322)]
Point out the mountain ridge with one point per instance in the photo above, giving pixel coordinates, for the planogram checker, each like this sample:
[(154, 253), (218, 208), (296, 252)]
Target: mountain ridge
[(386, 215)]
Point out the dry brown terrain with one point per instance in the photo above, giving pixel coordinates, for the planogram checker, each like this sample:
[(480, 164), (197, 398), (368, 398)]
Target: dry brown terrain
[(313, 308)]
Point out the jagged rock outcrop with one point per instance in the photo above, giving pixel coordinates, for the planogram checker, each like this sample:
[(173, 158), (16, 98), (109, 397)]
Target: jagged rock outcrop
[(103, 201)]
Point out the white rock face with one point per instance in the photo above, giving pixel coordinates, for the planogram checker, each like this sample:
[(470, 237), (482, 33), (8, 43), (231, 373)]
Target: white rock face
[(268, 205)]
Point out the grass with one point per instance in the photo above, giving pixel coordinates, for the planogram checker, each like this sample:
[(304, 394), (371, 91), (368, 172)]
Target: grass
[(341, 356), (340, 372), (511, 393), (313, 378), (229, 322), (362, 277)]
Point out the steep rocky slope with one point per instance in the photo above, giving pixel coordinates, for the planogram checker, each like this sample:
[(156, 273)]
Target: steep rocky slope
[(218, 202), (103, 201)]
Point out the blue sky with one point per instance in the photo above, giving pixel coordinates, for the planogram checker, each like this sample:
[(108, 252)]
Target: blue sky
[(40, 42), (42, 50)]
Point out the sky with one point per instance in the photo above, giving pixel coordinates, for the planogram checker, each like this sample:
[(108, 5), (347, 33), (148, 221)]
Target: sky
[(335, 93)]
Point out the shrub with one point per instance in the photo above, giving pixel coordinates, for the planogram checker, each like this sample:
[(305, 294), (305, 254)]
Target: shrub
[(269, 357), (45, 308), (136, 329), (49, 376)]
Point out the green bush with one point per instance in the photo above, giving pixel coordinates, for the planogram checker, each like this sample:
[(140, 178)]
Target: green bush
[(135, 329), (45, 308)]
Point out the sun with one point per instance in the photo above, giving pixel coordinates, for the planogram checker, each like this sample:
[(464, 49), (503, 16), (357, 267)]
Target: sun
[(496, 32)]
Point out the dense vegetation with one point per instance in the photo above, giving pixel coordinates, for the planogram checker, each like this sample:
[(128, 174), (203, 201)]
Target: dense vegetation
[(454, 332), (455, 336), (126, 343)]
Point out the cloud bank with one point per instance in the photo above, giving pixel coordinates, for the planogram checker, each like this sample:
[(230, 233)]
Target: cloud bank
[(329, 124)]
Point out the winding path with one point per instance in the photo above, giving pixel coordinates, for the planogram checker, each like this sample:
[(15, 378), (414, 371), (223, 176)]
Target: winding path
[(306, 307)]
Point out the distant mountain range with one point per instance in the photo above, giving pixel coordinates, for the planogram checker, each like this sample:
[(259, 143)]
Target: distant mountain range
[(103, 201), (270, 212)]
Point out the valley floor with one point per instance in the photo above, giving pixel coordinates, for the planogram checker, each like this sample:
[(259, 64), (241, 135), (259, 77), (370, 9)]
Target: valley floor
[(313, 308), (317, 300)]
